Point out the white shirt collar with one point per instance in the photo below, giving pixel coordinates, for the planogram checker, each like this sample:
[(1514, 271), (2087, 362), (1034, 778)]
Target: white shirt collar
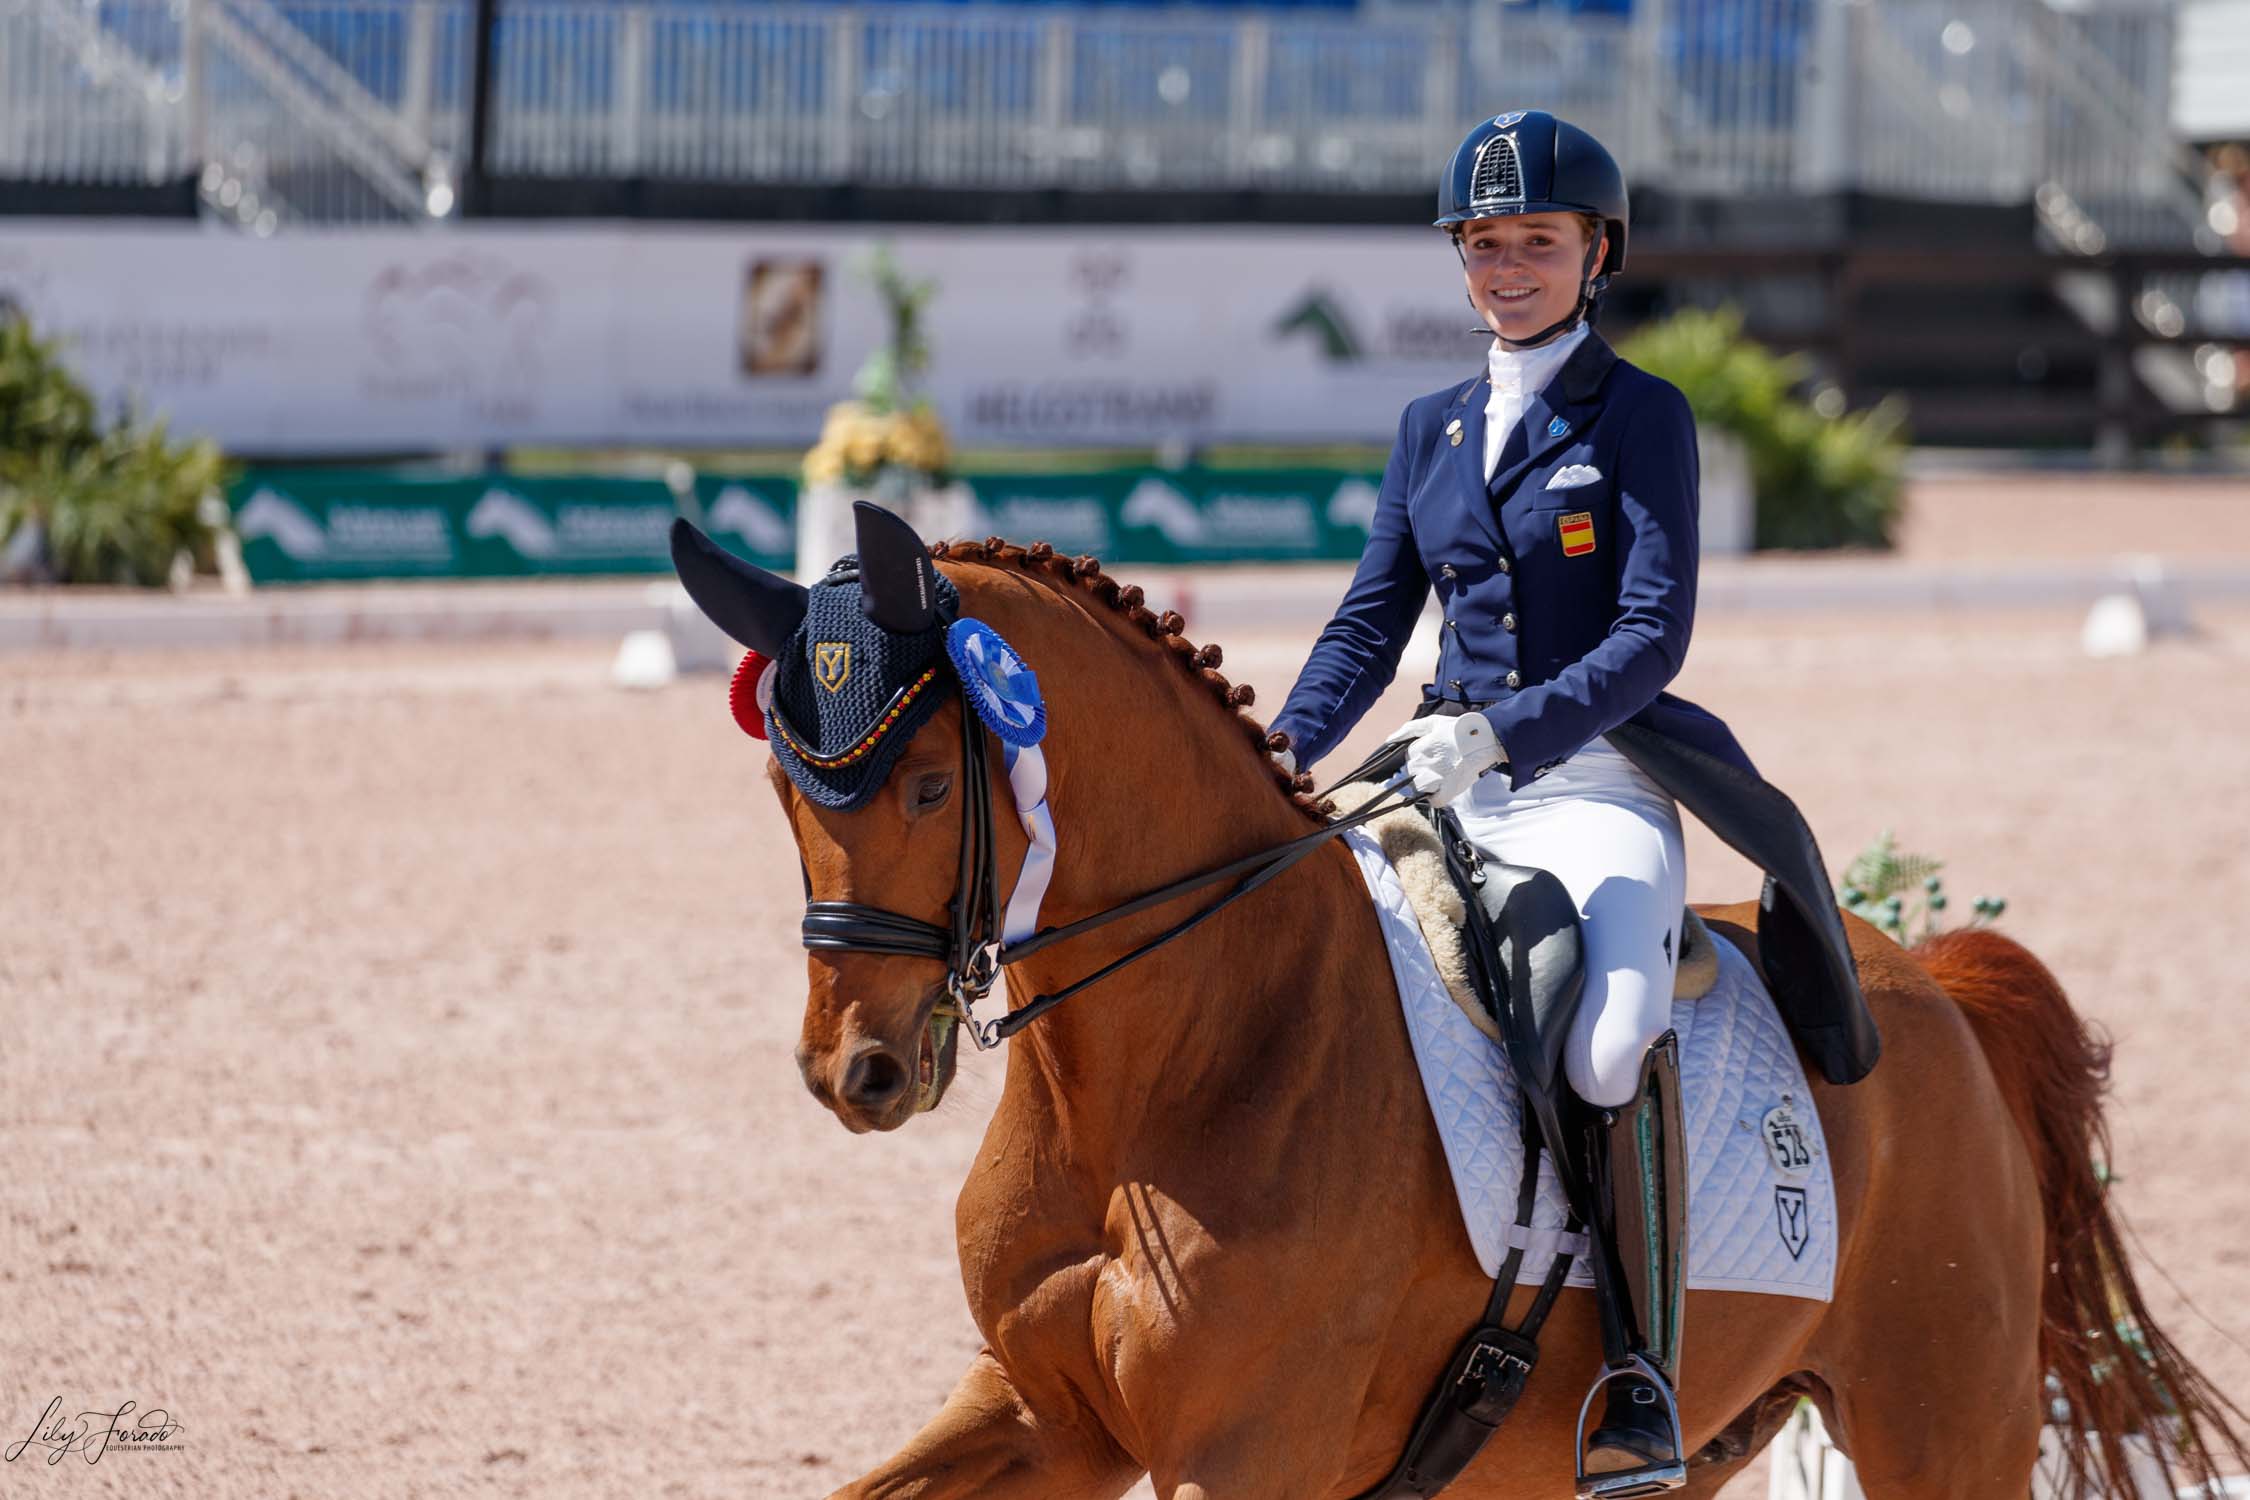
[(1523, 371)]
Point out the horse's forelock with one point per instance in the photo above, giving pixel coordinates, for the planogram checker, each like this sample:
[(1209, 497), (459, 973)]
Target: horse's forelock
[(1043, 565)]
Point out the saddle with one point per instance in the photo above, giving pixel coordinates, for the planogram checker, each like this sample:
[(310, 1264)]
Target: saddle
[(1409, 840)]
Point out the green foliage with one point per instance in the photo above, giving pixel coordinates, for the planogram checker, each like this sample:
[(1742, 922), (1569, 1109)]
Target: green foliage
[(1820, 481), (117, 503), (886, 382), (1879, 881)]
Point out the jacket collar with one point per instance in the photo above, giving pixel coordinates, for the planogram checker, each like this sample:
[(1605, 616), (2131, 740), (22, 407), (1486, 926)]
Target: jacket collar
[(1573, 397)]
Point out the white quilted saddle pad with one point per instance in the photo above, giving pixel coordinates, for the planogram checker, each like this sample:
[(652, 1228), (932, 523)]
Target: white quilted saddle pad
[(1761, 1195)]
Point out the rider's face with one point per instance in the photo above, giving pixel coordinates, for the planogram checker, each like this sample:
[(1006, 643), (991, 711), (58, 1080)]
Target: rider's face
[(1524, 272)]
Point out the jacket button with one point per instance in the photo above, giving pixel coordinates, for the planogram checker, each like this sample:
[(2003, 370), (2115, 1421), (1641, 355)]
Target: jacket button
[(1452, 682), (1515, 679), (1505, 565), (1453, 624), (1508, 622), (1445, 570)]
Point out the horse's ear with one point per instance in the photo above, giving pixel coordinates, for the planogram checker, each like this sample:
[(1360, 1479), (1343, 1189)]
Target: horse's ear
[(761, 610), (897, 583)]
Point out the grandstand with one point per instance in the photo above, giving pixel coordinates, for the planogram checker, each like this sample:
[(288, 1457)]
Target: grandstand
[(1749, 127)]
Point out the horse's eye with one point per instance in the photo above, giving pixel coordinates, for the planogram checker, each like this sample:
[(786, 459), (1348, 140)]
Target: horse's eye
[(931, 791)]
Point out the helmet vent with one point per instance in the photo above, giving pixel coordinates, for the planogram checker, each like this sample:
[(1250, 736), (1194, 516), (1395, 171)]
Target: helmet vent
[(1498, 179)]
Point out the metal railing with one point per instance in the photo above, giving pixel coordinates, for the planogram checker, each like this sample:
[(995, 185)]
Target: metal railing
[(353, 109)]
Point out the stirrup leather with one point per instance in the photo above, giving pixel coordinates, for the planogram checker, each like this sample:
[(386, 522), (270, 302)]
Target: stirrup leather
[(1640, 1185)]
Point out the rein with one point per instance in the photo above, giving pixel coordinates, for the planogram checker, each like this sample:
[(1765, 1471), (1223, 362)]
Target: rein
[(969, 945)]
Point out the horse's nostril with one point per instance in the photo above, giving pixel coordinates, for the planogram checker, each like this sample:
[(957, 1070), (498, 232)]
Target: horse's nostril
[(811, 1075), (874, 1079)]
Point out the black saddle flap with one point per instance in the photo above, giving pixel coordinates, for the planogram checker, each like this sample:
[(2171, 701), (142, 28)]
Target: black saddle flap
[(1526, 953)]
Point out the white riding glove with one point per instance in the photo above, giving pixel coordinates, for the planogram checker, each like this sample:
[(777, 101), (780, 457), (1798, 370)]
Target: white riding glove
[(1447, 752)]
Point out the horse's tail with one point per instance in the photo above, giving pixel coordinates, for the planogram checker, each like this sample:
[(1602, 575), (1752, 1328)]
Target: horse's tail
[(2115, 1368)]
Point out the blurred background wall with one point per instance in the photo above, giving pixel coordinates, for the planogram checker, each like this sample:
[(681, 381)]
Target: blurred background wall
[(2011, 212)]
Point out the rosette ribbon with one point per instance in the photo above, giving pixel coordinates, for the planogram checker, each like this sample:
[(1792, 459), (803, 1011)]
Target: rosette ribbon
[(1005, 694)]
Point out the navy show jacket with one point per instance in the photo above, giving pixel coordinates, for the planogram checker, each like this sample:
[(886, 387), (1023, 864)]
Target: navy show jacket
[(1567, 609)]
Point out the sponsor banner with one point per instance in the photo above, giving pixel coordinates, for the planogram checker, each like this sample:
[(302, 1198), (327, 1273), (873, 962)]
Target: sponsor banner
[(472, 336), (310, 525), (1183, 516), (306, 525)]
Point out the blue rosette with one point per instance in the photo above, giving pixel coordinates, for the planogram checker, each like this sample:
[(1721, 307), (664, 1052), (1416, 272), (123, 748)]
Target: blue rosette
[(1004, 690)]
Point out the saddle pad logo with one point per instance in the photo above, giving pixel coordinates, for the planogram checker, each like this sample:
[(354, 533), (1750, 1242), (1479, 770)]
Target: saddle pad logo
[(1577, 532), (832, 663), (1792, 1220)]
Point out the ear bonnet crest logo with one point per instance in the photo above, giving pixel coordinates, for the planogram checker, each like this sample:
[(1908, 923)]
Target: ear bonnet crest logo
[(832, 663)]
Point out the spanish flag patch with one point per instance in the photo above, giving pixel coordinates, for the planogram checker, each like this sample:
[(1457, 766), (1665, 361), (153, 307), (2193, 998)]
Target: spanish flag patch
[(1577, 531)]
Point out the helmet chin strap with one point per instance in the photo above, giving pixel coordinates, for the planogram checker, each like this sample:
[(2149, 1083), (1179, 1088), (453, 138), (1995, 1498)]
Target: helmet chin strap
[(1590, 286)]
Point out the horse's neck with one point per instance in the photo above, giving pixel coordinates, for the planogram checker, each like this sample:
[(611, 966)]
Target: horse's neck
[(1154, 781), (1256, 1001)]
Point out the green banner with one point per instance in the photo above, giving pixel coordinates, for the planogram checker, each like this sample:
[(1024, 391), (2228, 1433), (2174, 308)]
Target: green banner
[(310, 524), (305, 525), (1186, 515)]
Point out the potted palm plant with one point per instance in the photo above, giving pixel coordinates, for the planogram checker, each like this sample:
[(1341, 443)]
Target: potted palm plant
[(886, 444)]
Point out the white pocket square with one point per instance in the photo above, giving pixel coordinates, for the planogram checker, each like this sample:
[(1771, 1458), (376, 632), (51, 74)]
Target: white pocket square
[(1571, 476)]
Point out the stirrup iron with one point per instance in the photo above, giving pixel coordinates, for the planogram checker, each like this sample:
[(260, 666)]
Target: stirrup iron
[(1649, 1479)]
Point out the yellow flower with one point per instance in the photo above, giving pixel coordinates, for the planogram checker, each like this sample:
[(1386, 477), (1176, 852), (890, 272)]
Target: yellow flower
[(824, 465)]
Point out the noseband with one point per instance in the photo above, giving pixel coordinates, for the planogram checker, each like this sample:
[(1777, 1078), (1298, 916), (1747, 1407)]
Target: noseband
[(969, 944)]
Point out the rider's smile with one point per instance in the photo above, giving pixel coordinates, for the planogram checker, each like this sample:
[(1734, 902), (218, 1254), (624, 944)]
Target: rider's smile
[(1523, 271)]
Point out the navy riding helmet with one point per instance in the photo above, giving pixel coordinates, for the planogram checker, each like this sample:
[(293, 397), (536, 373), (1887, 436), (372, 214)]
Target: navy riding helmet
[(1528, 162)]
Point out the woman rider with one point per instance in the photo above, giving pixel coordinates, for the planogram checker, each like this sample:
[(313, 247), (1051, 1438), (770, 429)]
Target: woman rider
[(1552, 504)]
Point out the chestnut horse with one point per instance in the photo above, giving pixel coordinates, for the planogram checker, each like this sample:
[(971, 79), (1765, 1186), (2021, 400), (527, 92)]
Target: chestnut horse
[(1211, 1235)]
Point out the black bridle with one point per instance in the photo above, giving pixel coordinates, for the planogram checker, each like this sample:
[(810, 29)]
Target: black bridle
[(969, 944)]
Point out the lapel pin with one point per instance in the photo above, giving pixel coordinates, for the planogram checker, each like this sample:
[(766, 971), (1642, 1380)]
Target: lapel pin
[(1557, 427), (1453, 432)]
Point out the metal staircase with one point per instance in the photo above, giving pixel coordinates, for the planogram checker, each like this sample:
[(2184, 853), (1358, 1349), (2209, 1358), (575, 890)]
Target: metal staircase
[(292, 136), (273, 127), (74, 97)]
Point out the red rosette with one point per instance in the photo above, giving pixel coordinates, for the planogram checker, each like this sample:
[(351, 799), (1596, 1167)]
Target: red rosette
[(742, 695)]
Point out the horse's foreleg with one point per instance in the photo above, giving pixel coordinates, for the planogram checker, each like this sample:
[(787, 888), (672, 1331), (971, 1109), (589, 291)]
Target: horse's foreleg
[(987, 1442)]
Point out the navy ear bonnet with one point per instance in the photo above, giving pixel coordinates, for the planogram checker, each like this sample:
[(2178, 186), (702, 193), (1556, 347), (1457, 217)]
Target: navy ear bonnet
[(858, 660), (848, 694)]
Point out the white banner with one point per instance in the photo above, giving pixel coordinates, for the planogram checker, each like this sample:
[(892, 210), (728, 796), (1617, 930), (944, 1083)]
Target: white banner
[(371, 341)]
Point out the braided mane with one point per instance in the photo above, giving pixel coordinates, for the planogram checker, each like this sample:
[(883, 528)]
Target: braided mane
[(1040, 560)]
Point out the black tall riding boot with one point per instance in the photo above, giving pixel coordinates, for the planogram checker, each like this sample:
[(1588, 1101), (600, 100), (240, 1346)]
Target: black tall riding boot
[(1637, 1157)]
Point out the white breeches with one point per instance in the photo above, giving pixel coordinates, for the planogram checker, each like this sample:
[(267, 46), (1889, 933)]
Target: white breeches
[(1611, 835)]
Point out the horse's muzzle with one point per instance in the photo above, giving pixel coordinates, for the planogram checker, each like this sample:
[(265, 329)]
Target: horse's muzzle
[(873, 1084)]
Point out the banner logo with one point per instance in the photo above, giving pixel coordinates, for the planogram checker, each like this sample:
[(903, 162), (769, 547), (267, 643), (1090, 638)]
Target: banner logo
[(515, 521), (268, 514), (1331, 330), (779, 330), (764, 529)]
